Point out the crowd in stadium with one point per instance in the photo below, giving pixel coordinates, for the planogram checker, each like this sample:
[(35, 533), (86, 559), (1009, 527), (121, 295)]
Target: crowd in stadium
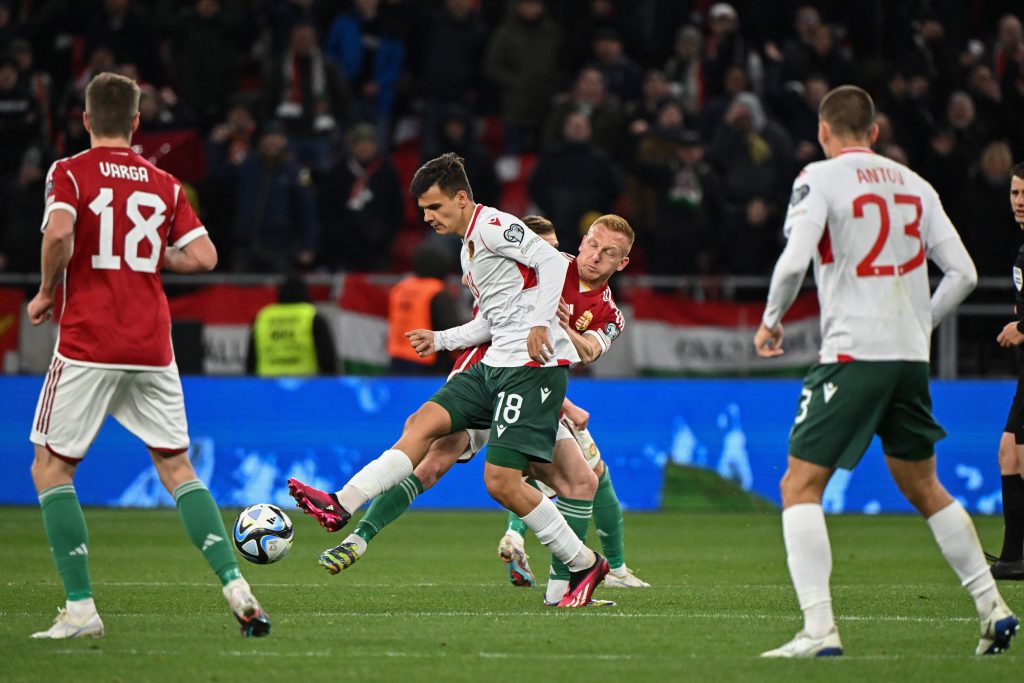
[(298, 123)]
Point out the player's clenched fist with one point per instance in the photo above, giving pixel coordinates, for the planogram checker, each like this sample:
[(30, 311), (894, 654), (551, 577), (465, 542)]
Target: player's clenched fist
[(767, 342), (39, 308), (538, 345), (422, 341)]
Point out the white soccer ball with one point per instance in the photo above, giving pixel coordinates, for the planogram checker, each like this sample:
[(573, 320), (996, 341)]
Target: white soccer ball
[(263, 533)]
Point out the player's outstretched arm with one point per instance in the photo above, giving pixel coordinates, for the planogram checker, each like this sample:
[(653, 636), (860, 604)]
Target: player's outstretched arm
[(476, 331), (58, 238), (198, 256)]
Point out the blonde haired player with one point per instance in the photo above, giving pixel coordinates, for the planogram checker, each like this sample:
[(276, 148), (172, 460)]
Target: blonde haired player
[(869, 224)]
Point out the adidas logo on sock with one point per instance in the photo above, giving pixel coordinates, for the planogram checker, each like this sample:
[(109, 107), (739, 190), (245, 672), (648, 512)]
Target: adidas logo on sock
[(211, 539), (80, 550)]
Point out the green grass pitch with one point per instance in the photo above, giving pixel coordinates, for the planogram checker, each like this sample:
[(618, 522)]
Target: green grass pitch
[(430, 602)]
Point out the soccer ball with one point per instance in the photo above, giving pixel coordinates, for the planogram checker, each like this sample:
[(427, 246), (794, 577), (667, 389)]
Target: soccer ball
[(263, 533)]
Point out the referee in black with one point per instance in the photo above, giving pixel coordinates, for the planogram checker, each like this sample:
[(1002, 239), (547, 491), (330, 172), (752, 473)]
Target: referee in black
[(1010, 564)]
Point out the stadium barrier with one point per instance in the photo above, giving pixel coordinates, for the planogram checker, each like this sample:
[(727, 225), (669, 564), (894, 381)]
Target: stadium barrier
[(250, 435)]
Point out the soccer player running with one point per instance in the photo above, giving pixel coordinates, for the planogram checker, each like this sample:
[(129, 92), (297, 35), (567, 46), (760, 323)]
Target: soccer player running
[(1010, 563), (516, 390), (112, 221), (869, 224), (593, 322)]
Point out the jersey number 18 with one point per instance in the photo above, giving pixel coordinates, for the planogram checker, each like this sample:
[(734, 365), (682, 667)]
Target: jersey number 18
[(142, 228)]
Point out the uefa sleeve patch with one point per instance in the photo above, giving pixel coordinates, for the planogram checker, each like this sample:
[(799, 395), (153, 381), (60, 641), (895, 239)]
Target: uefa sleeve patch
[(1018, 278), (514, 233)]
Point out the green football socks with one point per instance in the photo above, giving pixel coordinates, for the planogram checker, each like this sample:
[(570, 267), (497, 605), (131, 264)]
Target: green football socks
[(577, 514), (69, 539), (388, 506), (205, 528), (515, 524), (608, 521)]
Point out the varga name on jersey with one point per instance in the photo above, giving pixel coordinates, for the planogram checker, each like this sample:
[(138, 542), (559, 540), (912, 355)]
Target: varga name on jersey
[(124, 171)]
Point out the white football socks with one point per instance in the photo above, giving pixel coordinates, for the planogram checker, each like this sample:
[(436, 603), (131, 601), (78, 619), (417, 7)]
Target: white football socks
[(809, 557), (359, 542), (551, 529), (955, 534), (80, 610), (374, 479)]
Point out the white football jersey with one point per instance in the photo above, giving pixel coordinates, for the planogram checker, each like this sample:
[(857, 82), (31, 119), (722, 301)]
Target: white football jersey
[(876, 222), (500, 256)]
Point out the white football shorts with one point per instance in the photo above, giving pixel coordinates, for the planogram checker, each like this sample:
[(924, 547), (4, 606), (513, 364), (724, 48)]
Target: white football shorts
[(76, 399)]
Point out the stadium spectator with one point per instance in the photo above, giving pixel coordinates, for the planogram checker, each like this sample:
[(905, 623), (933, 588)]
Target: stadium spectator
[(19, 119), (574, 179), (724, 47), (371, 56), (754, 155), (685, 70), (21, 212), (421, 301), (979, 208), (682, 196), (458, 135), (1009, 45), (522, 60), (798, 106), (310, 96), (366, 208), (205, 36), (452, 48), (641, 115), (622, 75), (129, 34), (228, 146), (36, 82), (588, 96), (735, 82), (275, 209), (290, 338), (798, 52), (955, 147)]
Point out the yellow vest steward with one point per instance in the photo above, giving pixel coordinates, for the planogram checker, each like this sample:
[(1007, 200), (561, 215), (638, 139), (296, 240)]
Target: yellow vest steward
[(409, 309), (283, 338)]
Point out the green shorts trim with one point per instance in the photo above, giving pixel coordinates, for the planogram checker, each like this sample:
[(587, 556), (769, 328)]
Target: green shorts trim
[(842, 406), (520, 405)]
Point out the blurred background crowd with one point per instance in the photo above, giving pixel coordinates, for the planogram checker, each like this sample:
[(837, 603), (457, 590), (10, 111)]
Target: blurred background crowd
[(297, 124)]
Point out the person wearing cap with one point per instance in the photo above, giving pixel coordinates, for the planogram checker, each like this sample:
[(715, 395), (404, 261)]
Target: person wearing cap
[(362, 206), (724, 46)]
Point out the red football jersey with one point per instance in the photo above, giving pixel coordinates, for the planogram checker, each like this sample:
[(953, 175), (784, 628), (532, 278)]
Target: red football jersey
[(594, 311), (126, 211)]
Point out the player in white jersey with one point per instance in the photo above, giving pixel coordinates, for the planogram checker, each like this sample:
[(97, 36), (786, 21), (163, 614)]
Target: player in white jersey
[(517, 389), (869, 224)]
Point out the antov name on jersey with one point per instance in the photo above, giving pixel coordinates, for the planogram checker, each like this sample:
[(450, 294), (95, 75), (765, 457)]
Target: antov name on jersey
[(124, 172)]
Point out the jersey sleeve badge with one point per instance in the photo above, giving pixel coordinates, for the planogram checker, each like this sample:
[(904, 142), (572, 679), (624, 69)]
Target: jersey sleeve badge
[(1018, 278), (799, 194), (514, 233), (611, 330)]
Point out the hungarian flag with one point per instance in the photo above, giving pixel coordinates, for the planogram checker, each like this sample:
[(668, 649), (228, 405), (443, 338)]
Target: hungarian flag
[(675, 335)]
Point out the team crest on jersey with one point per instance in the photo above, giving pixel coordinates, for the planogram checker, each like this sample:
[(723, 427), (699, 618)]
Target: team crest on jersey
[(515, 233), (471, 248), (612, 331), (1018, 278), (583, 322), (799, 194)]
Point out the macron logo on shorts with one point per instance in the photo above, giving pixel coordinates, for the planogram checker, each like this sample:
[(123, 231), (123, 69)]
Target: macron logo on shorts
[(544, 393), (829, 389), (501, 430)]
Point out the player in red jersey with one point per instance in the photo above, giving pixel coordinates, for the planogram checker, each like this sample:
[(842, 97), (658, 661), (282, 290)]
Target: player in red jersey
[(112, 222), (589, 315)]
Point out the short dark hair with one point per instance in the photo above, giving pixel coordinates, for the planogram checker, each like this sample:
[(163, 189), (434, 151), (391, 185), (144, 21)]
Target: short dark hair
[(446, 171), (539, 225), (111, 102), (1018, 170), (848, 110)]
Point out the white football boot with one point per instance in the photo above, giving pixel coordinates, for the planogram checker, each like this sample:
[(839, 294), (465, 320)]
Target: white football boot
[(73, 623), (623, 577), (803, 646), (997, 630), (253, 621)]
